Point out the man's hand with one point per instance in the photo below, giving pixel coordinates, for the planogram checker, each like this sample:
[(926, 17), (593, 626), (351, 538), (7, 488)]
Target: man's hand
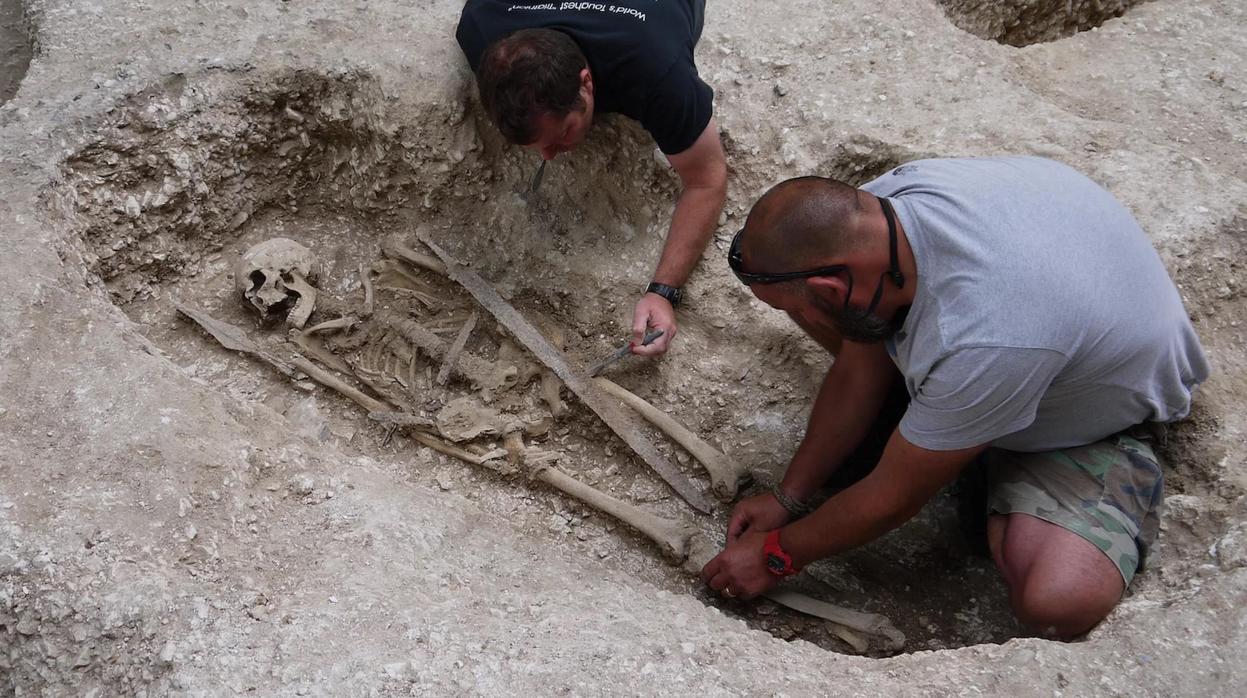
[(652, 311), (758, 514), (740, 570)]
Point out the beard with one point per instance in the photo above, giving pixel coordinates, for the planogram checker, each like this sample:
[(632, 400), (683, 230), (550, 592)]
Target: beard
[(855, 324)]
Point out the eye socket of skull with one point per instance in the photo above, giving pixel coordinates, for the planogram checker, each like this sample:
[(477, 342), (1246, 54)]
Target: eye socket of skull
[(258, 279)]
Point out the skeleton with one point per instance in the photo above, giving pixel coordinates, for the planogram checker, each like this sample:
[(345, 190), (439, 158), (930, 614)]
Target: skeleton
[(275, 279), (389, 342)]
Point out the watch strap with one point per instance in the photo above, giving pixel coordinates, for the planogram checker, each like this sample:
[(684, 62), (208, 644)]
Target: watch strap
[(671, 293), (778, 562)]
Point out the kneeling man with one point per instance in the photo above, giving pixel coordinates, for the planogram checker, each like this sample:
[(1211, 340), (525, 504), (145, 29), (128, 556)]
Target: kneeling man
[(1033, 326)]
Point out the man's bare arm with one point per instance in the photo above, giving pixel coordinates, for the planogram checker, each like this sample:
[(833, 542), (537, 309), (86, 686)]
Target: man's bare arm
[(847, 404), (906, 478), (703, 174)]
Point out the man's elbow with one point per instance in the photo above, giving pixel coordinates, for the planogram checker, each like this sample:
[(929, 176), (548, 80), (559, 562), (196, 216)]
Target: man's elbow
[(712, 182)]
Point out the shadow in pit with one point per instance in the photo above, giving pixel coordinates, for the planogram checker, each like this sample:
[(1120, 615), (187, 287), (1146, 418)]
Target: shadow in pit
[(1024, 22), (15, 47)]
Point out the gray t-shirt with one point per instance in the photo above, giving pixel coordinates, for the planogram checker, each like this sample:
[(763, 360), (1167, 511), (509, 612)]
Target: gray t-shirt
[(1043, 318)]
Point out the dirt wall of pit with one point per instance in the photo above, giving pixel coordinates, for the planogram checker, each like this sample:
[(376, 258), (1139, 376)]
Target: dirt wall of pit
[(150, 535)]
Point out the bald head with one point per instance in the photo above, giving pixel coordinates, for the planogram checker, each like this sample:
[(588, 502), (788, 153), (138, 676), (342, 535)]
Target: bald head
[(800, 223)]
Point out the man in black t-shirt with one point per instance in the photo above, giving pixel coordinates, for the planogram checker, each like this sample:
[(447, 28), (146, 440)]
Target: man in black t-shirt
[(545, 68)]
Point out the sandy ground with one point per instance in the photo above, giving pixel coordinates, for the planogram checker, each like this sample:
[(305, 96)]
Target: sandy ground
[(176, 518)]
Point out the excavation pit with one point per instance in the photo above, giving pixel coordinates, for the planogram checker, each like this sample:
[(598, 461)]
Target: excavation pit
[(173, 191), (164, 530), (165, 212), (1025, 22)]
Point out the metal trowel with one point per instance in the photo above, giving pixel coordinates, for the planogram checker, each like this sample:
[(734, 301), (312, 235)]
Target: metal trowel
[(541, 172), (623, 351)]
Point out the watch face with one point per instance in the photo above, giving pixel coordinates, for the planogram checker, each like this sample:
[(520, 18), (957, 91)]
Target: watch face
[(774, 562)]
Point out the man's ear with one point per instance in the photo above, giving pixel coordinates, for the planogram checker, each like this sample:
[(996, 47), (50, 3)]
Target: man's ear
[(586, 80), (833, 290)]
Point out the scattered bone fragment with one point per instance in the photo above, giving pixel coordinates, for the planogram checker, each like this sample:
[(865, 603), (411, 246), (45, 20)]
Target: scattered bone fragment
[(430, 301), (370, 293), (551, 394), (341, 323), (726, 475), (394, 248), (412, 371), (619, 421), (265, 277), (452, 354), (393, 274)]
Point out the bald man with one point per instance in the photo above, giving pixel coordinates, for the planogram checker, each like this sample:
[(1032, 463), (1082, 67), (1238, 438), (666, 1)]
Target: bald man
[(1034, 330)]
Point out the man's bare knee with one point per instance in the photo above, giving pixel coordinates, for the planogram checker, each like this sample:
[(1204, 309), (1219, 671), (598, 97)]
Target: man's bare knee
[(1059, 583), (1065, 611)]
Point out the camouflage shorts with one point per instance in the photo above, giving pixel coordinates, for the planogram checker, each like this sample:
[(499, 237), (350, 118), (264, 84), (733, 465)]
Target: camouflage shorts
[(1108, 493)]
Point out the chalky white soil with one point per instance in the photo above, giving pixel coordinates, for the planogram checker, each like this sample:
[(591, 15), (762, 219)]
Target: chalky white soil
[(175, 518)]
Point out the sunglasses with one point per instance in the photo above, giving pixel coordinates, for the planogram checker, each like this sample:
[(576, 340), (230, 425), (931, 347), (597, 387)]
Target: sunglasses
[(748, 279)]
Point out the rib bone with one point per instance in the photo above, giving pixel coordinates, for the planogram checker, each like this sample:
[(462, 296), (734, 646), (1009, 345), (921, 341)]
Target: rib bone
[(726, 475), (487, 376)]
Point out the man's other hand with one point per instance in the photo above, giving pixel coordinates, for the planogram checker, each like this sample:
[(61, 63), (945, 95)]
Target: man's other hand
[(652, 311), (740, 570), (757, 514)]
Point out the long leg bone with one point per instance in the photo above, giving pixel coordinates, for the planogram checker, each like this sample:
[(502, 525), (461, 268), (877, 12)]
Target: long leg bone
[(726, 475), (680, 543), (869, 623)]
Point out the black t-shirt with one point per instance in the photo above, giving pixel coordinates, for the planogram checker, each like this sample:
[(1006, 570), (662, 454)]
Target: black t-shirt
[(640, 53)]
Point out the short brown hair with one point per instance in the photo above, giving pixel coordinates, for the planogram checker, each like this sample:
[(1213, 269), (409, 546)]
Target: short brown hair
[(526, 74)]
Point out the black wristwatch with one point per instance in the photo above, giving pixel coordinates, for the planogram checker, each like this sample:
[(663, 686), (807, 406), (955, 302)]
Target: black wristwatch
[(671, 293)]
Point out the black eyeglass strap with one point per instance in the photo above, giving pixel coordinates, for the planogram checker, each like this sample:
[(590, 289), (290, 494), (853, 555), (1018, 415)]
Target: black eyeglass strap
[(894, 262)]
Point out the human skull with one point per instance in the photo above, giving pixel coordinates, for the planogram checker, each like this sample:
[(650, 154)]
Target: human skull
[(274, 276)]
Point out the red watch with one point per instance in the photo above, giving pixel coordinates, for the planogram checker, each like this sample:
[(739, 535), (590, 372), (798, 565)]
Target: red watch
[(778, 562)]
